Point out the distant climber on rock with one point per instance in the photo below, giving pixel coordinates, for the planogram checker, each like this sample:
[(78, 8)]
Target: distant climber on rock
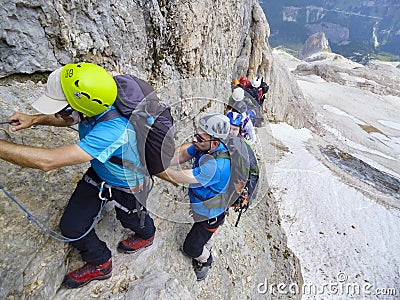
[(243, 82), (264, 90), (236, 104), (86, 93), (236, 96), (207, 179), (254, 89)]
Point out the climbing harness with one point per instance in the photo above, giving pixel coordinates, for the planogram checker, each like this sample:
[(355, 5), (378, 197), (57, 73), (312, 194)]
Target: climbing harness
[(140, 209), (47, 230), (103, 185)]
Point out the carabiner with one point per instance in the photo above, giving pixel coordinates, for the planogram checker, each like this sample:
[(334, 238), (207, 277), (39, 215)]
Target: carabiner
[(101, 189)]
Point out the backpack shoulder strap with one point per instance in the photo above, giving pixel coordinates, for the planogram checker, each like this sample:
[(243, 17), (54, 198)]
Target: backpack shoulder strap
[(220, 154), (246, 120), (112, 114), (215, 155)]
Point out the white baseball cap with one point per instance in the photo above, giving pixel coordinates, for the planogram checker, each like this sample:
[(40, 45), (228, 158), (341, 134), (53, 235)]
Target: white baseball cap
[(53, 100)]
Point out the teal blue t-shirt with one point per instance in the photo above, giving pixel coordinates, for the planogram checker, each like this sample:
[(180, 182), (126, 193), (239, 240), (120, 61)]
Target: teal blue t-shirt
[(213, 177), (109, 138)]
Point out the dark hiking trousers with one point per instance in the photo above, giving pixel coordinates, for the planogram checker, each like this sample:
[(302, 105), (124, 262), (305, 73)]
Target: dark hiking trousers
[(83, 206), (199, 235)]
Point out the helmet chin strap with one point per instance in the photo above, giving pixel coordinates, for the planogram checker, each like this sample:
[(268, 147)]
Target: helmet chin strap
[(209, 149), (83, 117)]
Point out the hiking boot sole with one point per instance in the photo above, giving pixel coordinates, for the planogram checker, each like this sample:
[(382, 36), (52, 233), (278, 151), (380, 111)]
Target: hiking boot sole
[(74, 284), (122, 250), (203, 276)]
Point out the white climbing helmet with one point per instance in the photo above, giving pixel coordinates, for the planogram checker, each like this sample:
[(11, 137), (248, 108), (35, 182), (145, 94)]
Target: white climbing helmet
[(256, 82), (238, 94), (216, 125)]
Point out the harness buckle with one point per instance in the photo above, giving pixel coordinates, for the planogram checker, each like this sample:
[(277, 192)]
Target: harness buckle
[(101, 189), (212, 221)]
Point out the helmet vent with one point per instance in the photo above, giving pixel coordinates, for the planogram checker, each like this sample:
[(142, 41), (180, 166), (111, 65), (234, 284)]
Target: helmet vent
[(76, 83), (85, 94), (98, 101)]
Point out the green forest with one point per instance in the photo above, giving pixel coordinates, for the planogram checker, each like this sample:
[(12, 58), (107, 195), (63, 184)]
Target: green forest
[(359, 30)]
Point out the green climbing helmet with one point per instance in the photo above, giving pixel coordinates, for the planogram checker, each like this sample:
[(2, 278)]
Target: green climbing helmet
[(88, 88)]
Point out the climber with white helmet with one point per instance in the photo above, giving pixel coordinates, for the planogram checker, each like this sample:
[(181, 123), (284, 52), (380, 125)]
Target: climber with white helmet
[(254, 89), (237, 105), (207, 178), (264, 87), (236, 96)]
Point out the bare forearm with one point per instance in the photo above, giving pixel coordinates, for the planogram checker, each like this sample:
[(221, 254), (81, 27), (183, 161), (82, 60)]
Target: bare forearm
[(21, 121), (180, 176), (41, 158), (181, 155), (24, 156), (164, 176), (51, 120)]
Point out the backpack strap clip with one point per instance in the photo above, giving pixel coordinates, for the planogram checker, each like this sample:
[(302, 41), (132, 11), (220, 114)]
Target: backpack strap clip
[(128, 211), (212, 221)]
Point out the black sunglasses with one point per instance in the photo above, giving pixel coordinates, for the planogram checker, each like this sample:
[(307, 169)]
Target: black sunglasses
[(66, 111), (201, 140)]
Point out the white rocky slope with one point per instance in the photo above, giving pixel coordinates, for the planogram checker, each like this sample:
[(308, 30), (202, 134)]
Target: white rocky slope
[(339, 188)]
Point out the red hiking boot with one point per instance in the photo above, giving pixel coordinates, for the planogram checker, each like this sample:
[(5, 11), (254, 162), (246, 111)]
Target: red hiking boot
[(134, 243), (87, 273)]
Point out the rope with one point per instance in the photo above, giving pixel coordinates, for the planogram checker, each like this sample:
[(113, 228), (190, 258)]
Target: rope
[(70, 127), (47, 230)]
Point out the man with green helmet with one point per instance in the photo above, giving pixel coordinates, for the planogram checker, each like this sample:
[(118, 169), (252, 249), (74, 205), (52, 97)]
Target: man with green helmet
[(83, 93)]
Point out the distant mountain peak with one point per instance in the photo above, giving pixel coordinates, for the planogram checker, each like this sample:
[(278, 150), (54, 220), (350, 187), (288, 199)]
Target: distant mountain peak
[(314, 44)]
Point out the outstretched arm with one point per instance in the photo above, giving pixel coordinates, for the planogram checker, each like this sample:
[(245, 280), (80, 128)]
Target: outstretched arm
[(23, 121), (41, 158), (181, 155), (180, 176)]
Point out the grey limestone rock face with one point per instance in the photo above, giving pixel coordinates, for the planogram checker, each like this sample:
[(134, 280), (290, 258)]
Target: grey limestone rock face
[(169, 43)]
